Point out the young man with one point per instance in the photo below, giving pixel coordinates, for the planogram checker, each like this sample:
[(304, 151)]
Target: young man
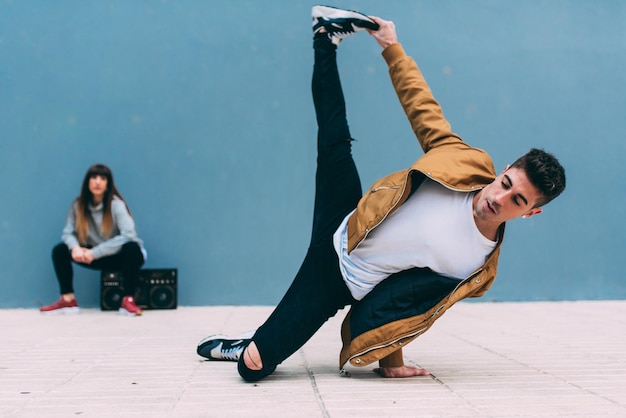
[(401, 254)]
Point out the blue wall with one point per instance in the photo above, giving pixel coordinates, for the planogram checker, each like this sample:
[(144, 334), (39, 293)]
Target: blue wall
[(203, 111)]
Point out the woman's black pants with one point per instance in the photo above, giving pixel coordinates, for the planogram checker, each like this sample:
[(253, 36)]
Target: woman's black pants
[(127, 261)]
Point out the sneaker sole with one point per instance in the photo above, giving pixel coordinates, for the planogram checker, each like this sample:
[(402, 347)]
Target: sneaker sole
[(63, 311), (124, 312), (329, 12)]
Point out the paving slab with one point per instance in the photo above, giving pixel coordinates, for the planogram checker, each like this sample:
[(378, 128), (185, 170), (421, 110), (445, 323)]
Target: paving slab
[(531, 359)]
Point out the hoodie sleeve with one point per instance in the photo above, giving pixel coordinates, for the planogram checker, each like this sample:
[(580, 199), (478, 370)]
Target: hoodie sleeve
[(68, 236)]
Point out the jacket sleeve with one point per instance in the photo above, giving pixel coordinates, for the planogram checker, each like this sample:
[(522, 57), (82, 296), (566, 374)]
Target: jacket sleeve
[(394, 359), (424, 113)]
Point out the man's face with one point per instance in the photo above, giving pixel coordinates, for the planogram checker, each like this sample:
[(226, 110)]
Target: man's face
[(509, 196)]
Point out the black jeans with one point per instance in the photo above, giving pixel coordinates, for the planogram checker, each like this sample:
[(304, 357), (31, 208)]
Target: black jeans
[(128, 261), (318, 290)]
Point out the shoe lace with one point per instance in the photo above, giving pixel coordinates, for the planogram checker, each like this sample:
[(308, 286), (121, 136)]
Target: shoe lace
[(231, 353), (341, 35)]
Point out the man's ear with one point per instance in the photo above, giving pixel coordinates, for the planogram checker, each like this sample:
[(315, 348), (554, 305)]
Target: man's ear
[(532, 212)]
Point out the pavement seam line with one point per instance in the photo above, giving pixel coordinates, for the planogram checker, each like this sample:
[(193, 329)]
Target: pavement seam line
[(448, 388), (318, 396)]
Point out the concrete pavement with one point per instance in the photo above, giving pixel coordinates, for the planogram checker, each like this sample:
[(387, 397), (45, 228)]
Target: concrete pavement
[(535, 359)]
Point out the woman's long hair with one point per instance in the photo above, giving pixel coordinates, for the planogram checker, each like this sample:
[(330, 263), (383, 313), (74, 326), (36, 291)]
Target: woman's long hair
[(86, 197)]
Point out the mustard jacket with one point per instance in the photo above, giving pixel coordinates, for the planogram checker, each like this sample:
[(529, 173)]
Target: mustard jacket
[(447, 160)]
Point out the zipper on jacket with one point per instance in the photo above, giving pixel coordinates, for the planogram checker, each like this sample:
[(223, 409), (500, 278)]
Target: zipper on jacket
[(470, 277), (384, 188), (419, 331), (459, 284), (403, 187)]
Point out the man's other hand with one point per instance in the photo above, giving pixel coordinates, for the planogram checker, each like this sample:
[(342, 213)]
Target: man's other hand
[(402, 371)]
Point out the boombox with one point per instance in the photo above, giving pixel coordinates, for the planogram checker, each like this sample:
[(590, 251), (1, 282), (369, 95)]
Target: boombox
[(156, 289)]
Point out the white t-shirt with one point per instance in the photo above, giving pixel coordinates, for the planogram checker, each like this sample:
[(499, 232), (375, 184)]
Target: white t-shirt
[(434, 228)]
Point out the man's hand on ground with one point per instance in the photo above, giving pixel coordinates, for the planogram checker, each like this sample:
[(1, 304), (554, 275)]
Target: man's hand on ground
[(403, 371)]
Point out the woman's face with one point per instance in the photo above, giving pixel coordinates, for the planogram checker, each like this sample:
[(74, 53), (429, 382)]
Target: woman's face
[(97, 187)]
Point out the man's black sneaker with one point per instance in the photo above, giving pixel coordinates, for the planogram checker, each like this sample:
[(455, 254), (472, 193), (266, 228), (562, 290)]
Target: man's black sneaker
[(339, 23), (221, 347)]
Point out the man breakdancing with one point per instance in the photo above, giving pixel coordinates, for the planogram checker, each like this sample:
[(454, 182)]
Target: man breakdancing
[(418, 241)]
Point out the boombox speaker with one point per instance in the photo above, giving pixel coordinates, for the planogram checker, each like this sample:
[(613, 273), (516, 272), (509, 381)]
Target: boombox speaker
[(156, 289)]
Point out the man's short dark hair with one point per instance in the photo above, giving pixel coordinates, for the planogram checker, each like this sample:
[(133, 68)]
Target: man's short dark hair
[(545, 173)]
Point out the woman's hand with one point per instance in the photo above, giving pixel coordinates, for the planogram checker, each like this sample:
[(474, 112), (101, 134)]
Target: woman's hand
[(87, 256), (82, 255), (78, 254)]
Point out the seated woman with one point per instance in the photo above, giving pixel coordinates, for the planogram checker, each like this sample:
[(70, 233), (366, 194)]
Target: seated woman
[(99, 234)]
